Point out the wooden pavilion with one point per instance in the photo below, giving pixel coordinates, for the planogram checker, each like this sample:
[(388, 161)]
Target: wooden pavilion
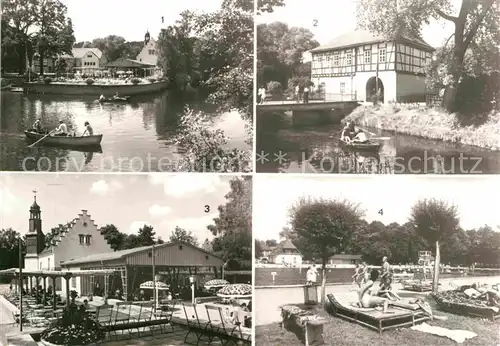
[(138, 68)]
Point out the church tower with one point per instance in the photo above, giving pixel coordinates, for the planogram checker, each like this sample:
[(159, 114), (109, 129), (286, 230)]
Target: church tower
[(147, 37), (35, 239)]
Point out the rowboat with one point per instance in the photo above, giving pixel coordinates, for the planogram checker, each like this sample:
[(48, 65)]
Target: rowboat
[(115, 99), (366, 146), (65, 141), (16, 90)]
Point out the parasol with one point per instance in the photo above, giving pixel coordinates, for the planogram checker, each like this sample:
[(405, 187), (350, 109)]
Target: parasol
[(235, 291), (216, 283), (159, 285)]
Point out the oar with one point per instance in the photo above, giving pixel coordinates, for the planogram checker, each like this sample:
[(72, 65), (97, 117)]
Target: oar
[(41, 139)]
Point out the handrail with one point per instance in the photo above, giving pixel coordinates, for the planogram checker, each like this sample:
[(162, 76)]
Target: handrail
[(313, 98)]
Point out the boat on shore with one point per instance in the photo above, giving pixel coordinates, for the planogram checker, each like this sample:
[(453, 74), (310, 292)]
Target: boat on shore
[(73, 142), (115, 99), (356, 146)]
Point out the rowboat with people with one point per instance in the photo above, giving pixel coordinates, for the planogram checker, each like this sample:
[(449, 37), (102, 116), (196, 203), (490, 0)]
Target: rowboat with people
[(360, 146), (121, 99), (65, 141)]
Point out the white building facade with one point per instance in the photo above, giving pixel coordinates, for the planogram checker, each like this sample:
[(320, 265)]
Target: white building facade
[(355, 65)]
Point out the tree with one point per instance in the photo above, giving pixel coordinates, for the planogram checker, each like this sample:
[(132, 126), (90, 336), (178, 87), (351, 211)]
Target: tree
[(19, 18), (406, 17), (207, 245), (55, 31), (113, 236), (433, 220), (271, 243), (184, 236), (146, 235), (258, 248), (268, 5), (324, 228), (112, 46), (9, 244), (232, 229), (279, 53)]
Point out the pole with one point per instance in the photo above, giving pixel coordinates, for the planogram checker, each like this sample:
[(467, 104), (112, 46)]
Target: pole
[(192, 292), (155, 293), (21, 287)]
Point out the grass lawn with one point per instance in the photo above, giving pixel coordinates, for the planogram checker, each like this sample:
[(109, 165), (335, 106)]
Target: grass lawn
[(341, 332)]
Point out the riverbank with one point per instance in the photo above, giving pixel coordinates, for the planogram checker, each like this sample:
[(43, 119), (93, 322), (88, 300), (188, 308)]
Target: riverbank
[(427, 122)]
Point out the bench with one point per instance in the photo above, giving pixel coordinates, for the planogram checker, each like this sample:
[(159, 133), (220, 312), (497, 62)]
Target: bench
[(227, 329)]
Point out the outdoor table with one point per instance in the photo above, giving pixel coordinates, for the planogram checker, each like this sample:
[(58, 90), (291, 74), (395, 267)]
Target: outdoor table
[(308, 323)]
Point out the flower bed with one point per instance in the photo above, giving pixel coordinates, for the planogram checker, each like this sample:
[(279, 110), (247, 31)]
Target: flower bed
[(75, 328)]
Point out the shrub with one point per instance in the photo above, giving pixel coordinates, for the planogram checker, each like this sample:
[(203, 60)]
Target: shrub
[(205, 149), (89, 81), (152, 80), (47, 80), (135, 81), (274, 88)]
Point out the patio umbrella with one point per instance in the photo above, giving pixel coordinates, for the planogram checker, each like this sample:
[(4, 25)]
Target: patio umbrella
[(161, 286), (235, 291), (216, 283), (120, 72), (130, 72)]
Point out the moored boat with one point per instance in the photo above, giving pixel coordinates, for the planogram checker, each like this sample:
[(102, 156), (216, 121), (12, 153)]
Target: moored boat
[(65, 141), (115, 99), (367, 146), (16, 90)]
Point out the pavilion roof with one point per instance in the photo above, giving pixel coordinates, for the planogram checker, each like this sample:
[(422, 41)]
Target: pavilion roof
[(128, 63), (56, 273)]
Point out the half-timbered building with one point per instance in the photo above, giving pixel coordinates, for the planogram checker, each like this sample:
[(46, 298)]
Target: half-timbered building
[(356, 65)]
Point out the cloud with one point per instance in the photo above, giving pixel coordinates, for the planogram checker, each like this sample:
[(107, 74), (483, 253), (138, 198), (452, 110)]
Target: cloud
[(101, 187), (197, 225), (7, 200), (186, 184), (136, 225), (156, 210)]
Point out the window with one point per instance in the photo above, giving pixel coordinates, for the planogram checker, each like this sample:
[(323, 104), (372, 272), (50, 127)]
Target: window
[(73, 282), (336, 59), (48, 263), (294, 259), (368, 56), (82, 238), (349, 59), (381, 55), (342, 88), (87, 239), (89, 55)]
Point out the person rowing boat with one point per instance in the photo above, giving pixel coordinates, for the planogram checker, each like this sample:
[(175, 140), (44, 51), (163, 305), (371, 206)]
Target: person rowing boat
[(61, 130), (37, 126), (348, 132), (88, 129), (360, 136)]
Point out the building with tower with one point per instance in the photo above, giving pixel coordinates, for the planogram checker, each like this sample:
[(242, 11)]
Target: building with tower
[(149, 53), (78, 238)]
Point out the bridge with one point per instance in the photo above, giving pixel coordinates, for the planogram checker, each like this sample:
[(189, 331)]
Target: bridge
[(332, 107)]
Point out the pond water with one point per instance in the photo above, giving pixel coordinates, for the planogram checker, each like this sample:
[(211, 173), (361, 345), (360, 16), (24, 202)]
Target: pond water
[(137, 136), (285, 148)]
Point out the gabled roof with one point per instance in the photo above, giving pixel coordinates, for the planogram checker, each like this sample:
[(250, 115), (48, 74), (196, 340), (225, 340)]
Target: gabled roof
[(114, 255), (284, 245), (360, 37), (80, 53)]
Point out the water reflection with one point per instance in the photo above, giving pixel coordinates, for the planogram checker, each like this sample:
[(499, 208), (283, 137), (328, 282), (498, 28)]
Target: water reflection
[(137, 136), (292, 149)]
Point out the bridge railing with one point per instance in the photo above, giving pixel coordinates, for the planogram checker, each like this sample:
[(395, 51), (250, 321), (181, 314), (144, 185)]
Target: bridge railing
[(313, 98)]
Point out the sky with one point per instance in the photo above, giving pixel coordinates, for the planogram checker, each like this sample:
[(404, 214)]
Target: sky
[(129, 19), (336, 17), (127, 201), (273, 196)]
